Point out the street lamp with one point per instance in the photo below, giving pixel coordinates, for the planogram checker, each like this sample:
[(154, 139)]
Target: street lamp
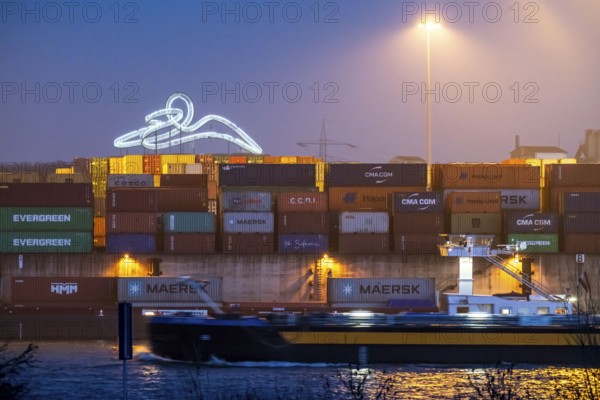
[(428, 26)]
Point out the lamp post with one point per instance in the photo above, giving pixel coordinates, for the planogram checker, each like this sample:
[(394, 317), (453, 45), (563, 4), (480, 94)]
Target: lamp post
[(428, 26)]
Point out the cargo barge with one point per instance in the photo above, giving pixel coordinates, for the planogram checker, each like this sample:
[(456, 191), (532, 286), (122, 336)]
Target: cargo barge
[(366, 338)]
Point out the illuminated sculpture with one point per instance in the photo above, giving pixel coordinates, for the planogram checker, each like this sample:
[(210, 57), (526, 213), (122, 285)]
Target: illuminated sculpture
[(178, 123)]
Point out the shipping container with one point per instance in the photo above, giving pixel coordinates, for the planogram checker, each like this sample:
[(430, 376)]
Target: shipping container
[(580, 202), (581, 223), (46, 195), (246, 201), (531, 222), (303, 222), (364, 222), (418, 223), (68, 178), (301, 201), (536, 243), (376, 175), (248, 222), (151, 164), (486, 176), (131, 222), (133, 164), (266, 175), (130, 181), (20, 177), (379, 290), (418, 202), (193, 168), (555, 195), (363, 198), (99, 226), (573, 175), (173, 169), (476, 202), (364, 243), (248, 243), (82, 166), (213, 190), (100, 242), (302, 243), (157, 199), (476, 223), (417, 243), (183, 180), (581, 243), (64, 291), (157, 291), (130, 243), (100, 206), (189, 222), (270, 189), (511, 199), (189, 243), (141, 200), (115, 165), (46, 242), (46, 219)]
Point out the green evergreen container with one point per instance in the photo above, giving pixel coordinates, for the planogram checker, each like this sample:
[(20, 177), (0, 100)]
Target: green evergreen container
[(46, 242), (189, 222), (46, 219), (536, 243)]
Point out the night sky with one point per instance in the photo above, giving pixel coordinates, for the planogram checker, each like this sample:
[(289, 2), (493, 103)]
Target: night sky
[(76, 75)]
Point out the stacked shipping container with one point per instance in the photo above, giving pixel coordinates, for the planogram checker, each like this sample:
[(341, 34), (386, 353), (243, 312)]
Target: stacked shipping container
[(581, 222), (418, 219), (248, 222), (539, 230), (359, 194), (302, 222), (46, 218)]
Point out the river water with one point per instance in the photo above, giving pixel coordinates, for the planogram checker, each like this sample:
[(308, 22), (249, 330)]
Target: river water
[(91, 370)]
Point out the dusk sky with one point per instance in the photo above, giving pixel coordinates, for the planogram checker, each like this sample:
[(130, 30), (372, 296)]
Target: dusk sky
[(76, 75)]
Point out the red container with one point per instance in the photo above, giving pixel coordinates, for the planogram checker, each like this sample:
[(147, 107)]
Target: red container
[(130, 200), (486, 176), (581, 243), (131, 222), (418, 223), (301, 201), (364, 243), (573, 175), (303, 222), (475, 202), (423, 243), (189, 243), (46, 195), (182, 199), (248, 243), (157, 199), (183, 180), (63, 291)]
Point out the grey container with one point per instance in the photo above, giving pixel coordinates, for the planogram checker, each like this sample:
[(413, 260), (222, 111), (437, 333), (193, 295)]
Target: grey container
[(418, 202), (246, 201), (376, 175), (581, 223), (130, 180), (167, 290), (580, 202), (248, 222), (364, 222), (379, 290)]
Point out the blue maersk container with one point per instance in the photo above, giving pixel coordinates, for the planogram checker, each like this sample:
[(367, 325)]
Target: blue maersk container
[(135, 243), (302, 243)]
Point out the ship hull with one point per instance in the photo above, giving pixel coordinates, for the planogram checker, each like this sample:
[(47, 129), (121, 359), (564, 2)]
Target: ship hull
[(235, 341)]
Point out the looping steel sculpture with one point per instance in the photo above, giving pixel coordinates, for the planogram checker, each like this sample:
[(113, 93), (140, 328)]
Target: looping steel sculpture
[(178, 123)]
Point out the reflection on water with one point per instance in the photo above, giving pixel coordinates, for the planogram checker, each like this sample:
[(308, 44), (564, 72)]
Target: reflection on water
[(91, 370)]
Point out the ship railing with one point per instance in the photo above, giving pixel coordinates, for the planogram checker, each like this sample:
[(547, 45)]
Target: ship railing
[(525, 279)]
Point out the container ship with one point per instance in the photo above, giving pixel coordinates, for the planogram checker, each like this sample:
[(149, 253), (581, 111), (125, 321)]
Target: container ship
[(282, 233)]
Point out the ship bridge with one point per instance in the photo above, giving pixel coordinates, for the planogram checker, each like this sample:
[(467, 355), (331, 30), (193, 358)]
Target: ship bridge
[(500, 255)]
